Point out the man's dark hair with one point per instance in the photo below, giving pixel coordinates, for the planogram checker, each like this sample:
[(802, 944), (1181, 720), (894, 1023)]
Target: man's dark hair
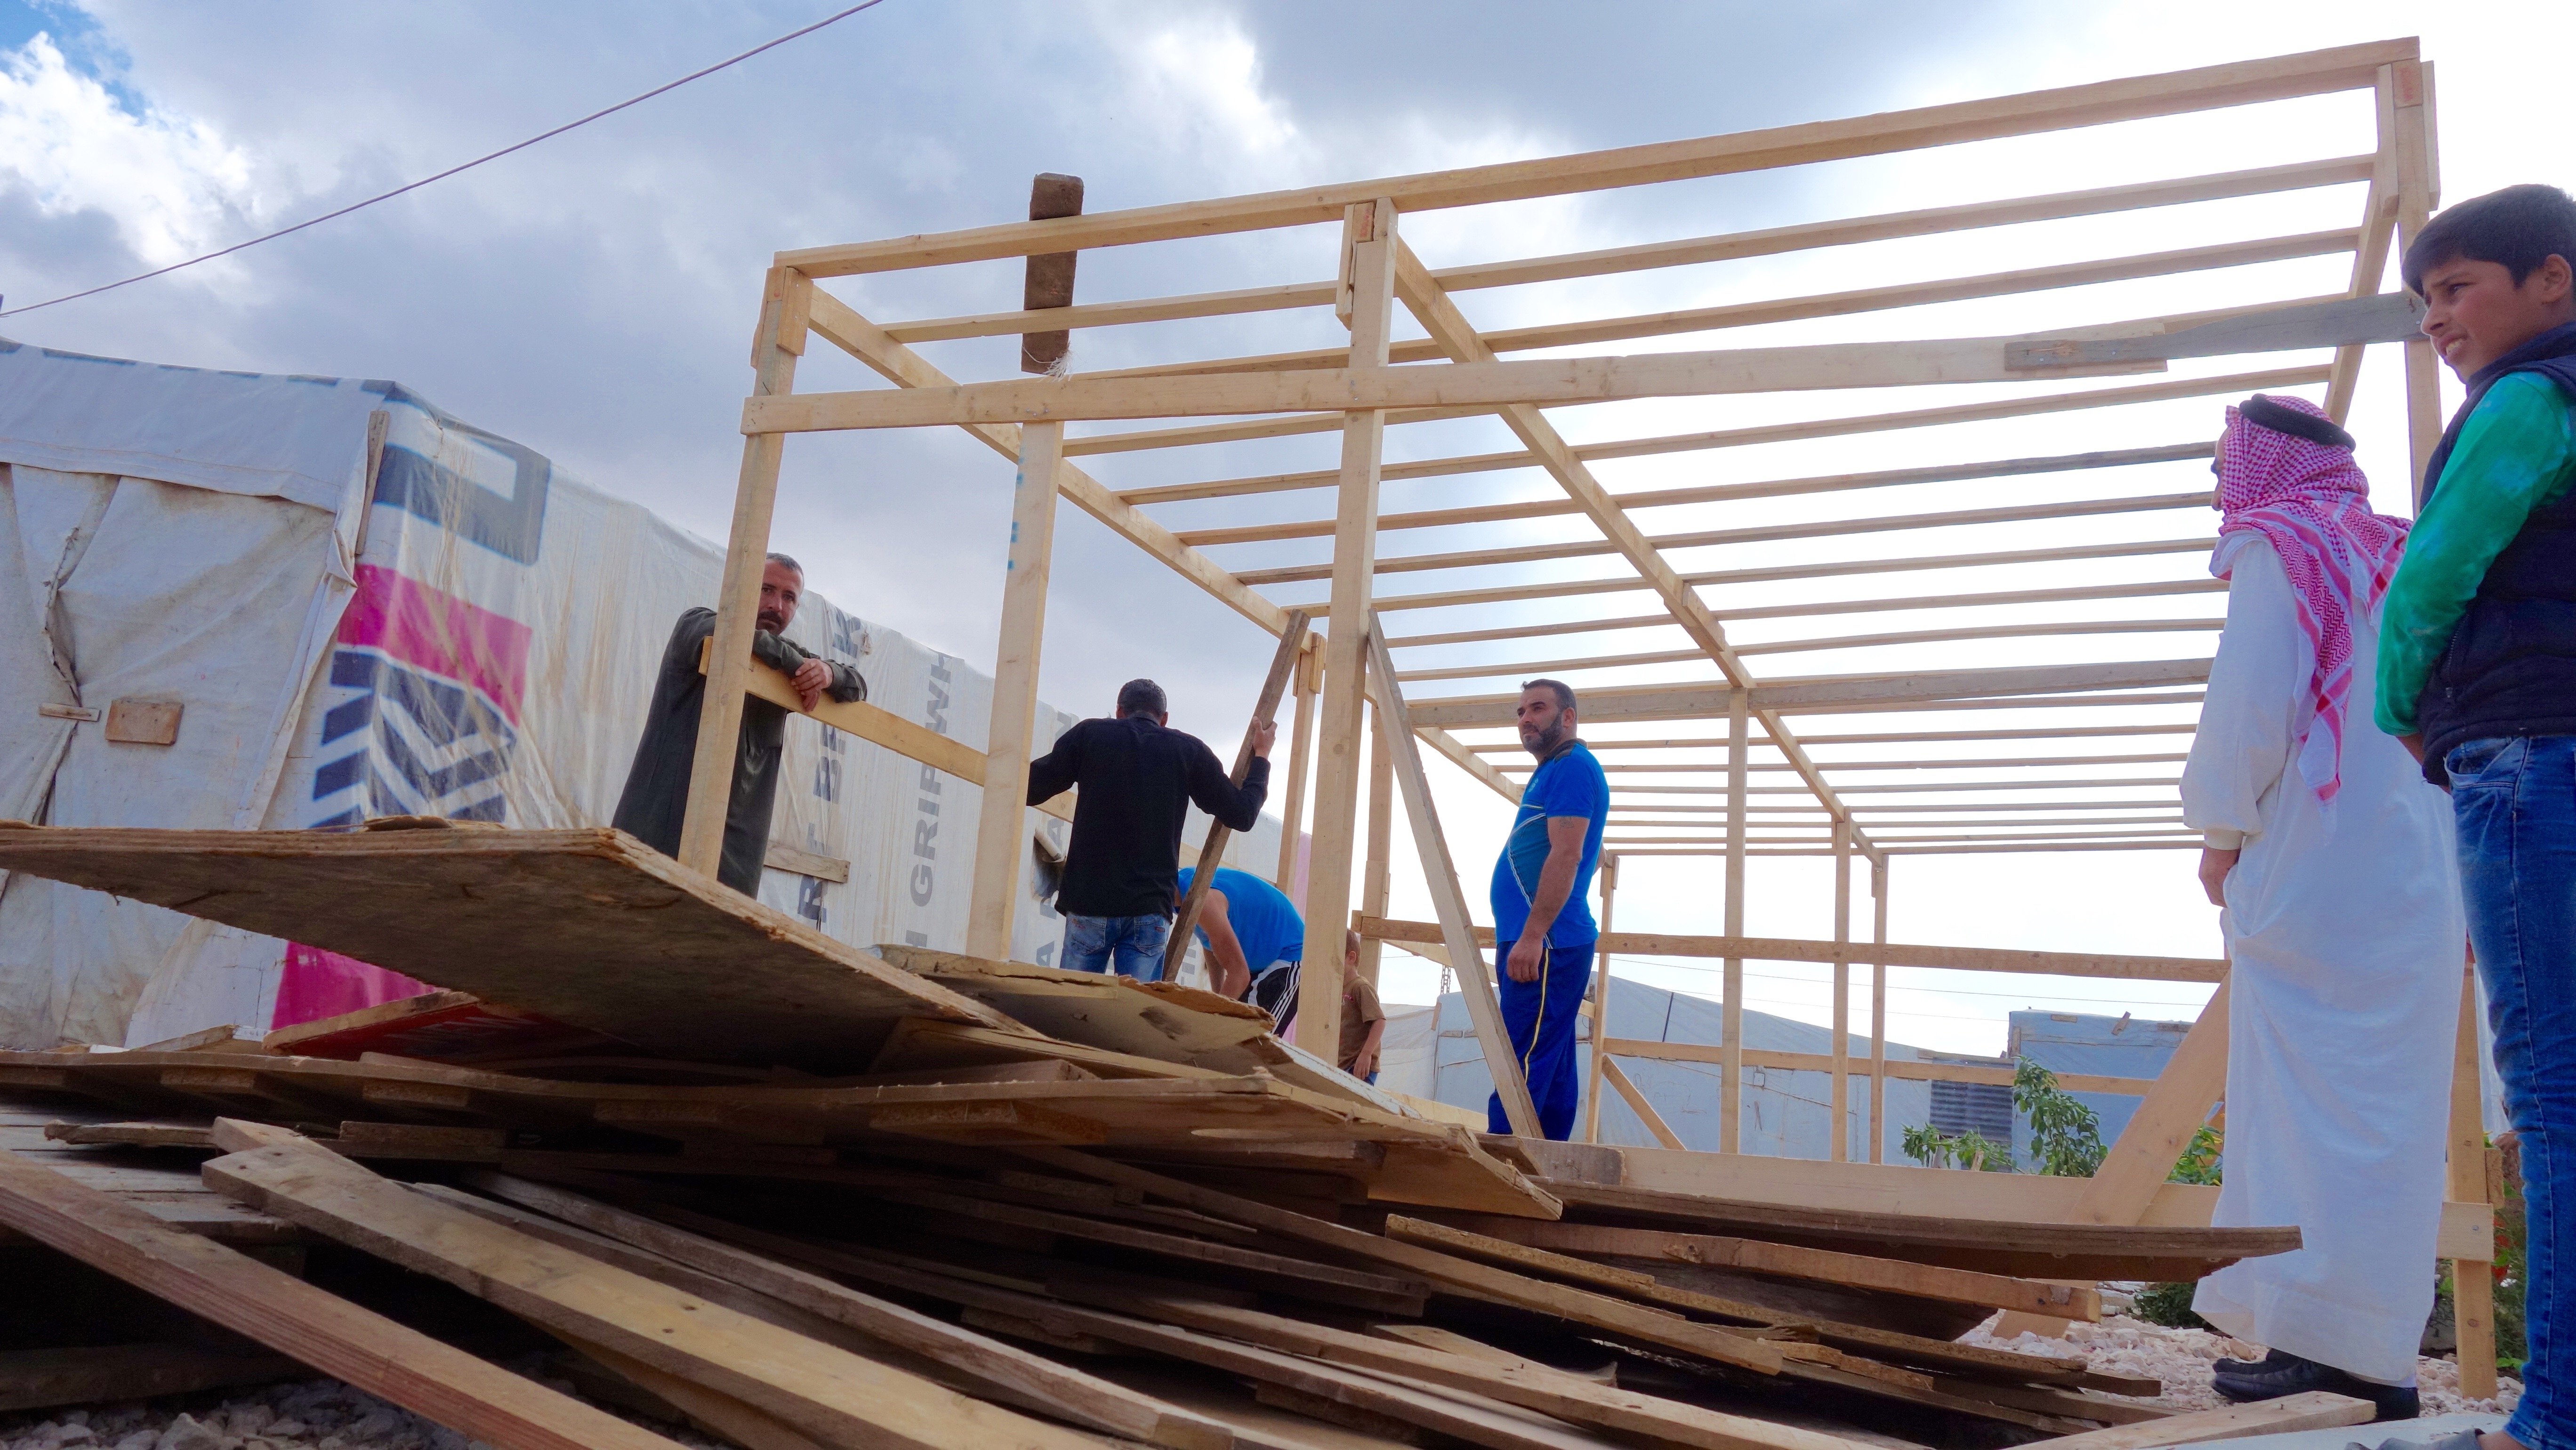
[(2517, 228), (1564, 692), (790, 563), (1142, 697)]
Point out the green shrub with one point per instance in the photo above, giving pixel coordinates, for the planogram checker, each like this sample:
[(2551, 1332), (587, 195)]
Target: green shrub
[(2168, 1305)]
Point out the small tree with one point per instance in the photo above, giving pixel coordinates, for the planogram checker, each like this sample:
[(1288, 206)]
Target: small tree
[(1970, 1149), (2065, 1134), (2200, 1163)]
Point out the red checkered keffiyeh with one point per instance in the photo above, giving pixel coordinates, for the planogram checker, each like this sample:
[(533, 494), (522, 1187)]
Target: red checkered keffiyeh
[(2312, 504)]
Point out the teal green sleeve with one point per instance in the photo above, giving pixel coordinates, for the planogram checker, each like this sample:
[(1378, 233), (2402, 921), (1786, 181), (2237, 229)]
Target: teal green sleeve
[(2516, 453)]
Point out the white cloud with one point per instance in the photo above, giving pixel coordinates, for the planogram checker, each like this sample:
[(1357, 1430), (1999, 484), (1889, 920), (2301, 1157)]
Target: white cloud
[(171, 183)]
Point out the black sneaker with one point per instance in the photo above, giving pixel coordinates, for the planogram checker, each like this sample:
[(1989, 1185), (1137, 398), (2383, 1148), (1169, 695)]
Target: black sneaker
[(2271, 1360), (2293, 1375)]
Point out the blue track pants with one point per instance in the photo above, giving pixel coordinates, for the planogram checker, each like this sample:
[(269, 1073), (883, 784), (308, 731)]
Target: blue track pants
[(1540, 1017)]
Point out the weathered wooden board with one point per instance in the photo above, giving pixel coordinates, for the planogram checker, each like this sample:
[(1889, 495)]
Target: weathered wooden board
[(2036, 1250), (1161, 1020), (588, 927), (1417, 1161)]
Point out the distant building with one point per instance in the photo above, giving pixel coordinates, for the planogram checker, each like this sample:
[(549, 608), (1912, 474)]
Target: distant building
[(1434, 1054)]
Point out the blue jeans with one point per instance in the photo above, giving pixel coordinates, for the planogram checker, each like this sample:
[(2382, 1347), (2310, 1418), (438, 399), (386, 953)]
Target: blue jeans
[(1136, 942), (2515, 801), (1539, 1018)]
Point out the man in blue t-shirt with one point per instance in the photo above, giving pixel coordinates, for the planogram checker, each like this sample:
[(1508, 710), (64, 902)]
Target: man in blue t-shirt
[(1254, 940), (1543, 929)]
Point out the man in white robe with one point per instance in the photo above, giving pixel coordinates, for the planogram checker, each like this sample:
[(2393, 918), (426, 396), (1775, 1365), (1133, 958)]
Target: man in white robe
[(2332, 861)]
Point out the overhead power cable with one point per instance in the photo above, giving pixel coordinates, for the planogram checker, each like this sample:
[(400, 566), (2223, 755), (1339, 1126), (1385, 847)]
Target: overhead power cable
[(453, 170)]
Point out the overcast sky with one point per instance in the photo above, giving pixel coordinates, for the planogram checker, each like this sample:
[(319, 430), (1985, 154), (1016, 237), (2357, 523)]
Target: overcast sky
[(593, 297)]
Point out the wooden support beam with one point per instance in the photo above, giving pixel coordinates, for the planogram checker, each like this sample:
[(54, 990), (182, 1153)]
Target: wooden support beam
[(1768, 533), (1503, 593), (1684, 702), (1820, 1062), (1879, 1011), (1455, 932), (2122, 1189), (2419, 191), (2378, 225), (1377, 875), (1711, 493), (1548, 383), (1292, 643), (786, 304), (1369, 244), (1599, 1008), (864, 340), (880, 726), (2472, 1280), (1469, 761), (1636, 1099), (999, 832), (1730, 1087), (1838, 1147), (1832, 304), (2233, 384), (1301, 751), (2071, 628), (1793, 949), (2035, 112), (313, 1325)]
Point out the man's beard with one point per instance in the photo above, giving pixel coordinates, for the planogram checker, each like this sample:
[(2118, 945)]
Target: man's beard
[(772, 621), (1540, 743)]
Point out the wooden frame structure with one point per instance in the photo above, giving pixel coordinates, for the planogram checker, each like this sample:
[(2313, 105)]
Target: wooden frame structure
[(1718, 745)]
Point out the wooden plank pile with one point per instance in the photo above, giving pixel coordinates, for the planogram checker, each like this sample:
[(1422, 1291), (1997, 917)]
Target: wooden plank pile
[(962, 1203)]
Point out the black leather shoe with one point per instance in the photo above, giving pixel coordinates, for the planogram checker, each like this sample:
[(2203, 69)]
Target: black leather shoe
[(2293, 1375), (2271, 1360)]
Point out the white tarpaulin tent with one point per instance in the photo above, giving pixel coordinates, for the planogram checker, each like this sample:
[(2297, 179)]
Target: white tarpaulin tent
[(463, 631)]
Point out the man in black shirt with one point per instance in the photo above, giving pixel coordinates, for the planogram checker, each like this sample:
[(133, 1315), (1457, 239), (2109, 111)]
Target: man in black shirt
[(1138, 779), (657, 785)]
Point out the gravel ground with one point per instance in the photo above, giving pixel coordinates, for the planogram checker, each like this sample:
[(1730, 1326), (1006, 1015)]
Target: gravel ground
[(328, 1415), (294, 1415), (2182, 1357)]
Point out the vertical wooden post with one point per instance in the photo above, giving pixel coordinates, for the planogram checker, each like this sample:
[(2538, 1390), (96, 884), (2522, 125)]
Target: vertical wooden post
[(2419, 190), (1449, 903), (1839, 1149), (998, 843), (1878, 1014), (1292, 807), (1600, 1007), (1377, 878), (1730, 1068), (1283, 663), (787, 302), (1368, 229), (2370, 258), (2472, 1280)]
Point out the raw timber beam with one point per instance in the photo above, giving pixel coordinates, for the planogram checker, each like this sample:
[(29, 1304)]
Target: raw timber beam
[(2234, 384), (1454, 931), (1449, 328), (1688, 702), (2035, 112), (1788, 949), (1553, 383), (867, 342)]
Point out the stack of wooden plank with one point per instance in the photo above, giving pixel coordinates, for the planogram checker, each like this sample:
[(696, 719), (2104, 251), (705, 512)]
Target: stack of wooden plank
[(909, 1198)]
